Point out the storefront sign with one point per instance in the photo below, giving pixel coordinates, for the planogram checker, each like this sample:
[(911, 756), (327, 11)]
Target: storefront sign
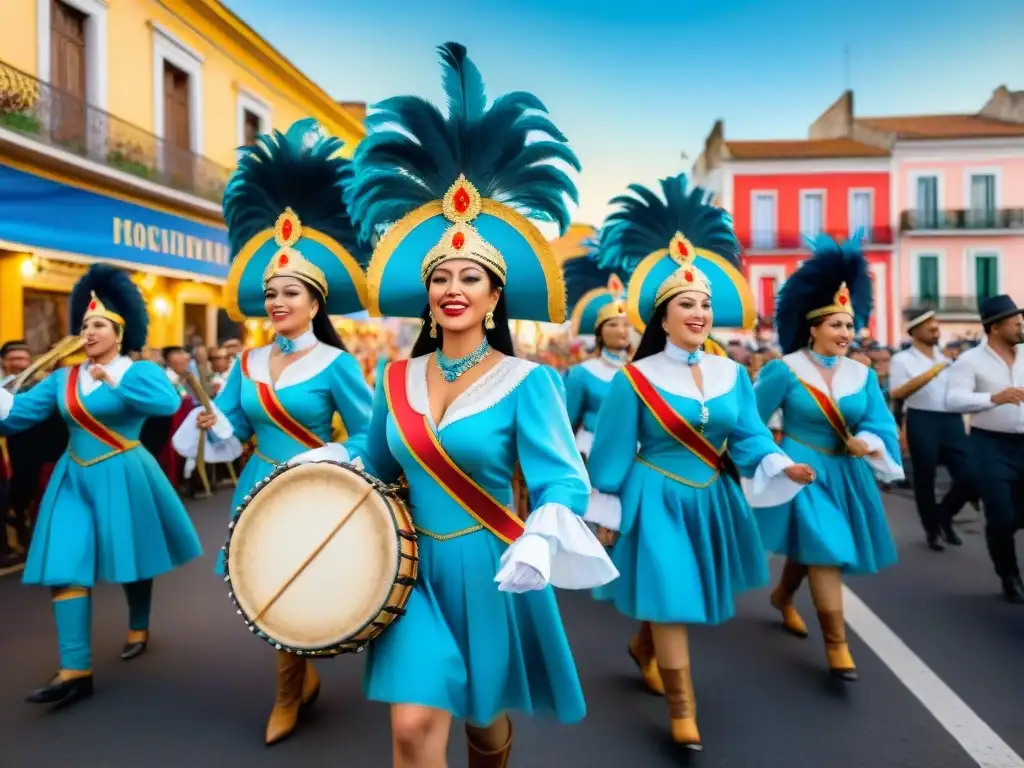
[(38, 212)]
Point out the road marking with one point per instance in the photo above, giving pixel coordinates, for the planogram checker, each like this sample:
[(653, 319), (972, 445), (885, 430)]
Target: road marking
[(982, 743)]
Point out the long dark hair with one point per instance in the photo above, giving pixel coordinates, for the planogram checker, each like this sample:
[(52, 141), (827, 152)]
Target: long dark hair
[(653, 342), (499, 337), (323, 328)]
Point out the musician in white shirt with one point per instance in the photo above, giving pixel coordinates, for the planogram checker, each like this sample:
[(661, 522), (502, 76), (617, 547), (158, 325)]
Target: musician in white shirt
[(988, 383), (919, 376)]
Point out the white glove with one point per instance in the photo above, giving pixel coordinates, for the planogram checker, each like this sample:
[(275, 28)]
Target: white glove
[(520, 577), (525, 566), (329, 452)]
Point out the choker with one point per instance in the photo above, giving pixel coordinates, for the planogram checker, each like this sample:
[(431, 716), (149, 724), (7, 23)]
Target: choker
[(615, 359), (454, 367), (681, 355), (825, 362), (290, 346)]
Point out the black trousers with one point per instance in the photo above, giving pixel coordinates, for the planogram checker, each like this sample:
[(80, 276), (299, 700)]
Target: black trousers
[(934, 439), (998, 461)]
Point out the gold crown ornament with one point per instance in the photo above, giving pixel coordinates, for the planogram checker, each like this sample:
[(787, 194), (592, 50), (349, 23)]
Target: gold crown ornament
[(96, 309), (617, 306), (461, 204), (687, 277), (841, 303), (288, 261)]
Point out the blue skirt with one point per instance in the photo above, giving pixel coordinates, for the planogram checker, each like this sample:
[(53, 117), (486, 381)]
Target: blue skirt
[(838, 520), (256, 469), (116, 521), (688, 552), (468, 649)]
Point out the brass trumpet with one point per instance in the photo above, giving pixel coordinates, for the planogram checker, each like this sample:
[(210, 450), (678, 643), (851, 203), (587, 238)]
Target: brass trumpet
[(66, 347)]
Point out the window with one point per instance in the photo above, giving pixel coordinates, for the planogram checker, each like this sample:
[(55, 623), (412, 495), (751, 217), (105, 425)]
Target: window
[(928, 278), (982, 213), (253, 129), (986, 276), (861, 214), (812, 213), (927, 202), (253, 116), (177, 93), (763, 234)]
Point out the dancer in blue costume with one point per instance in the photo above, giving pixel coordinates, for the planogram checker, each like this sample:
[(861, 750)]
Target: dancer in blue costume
[(296, 261), (835, 419), (688, 541), (482, 634), (109, 513)]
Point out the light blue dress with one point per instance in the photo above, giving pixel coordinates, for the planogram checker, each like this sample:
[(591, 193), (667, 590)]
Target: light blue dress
[(106, 515), (463, 646), (587, 385), (839, 520), (312, 389), (688, 541)]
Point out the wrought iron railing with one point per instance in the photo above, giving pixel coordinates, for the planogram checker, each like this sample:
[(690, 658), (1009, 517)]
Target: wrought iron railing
[(947, 305), (965, 219), (789, 241), (54, 117)]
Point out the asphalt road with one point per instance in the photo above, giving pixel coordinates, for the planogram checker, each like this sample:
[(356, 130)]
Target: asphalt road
[(200, 696)]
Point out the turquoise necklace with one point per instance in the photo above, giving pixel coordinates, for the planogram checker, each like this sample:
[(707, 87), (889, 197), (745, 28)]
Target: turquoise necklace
[(825, 361), (454, 367)]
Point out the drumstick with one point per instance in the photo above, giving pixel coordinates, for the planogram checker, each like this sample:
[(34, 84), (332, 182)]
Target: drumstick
[(344, 519)]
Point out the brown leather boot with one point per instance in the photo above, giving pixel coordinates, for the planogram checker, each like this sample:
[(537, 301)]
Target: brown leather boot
[(641, 650), (682, 707), (480, 757), (793, 574), (840, 662), (310, 684), (291, 673)]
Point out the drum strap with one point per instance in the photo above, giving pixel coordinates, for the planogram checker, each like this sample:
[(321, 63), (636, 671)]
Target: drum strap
[(276, 412), (81, 416), (672, 421), (422, 443)]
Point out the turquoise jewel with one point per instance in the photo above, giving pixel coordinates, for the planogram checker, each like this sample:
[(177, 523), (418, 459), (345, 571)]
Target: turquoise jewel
[(823, 361), (286, 345), (454, 367), (694, 358)]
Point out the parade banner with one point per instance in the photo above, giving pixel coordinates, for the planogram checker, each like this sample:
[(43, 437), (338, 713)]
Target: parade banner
[(38, 212)]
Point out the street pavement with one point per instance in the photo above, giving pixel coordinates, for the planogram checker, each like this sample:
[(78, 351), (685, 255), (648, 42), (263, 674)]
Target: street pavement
[(938, 653)]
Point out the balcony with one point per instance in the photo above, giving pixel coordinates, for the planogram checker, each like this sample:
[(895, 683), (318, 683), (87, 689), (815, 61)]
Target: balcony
[(53, 117), (962, 308), (996, 220), (771, 242)]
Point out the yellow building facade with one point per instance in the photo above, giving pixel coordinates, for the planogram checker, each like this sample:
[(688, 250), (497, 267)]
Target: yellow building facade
[(119, 123)]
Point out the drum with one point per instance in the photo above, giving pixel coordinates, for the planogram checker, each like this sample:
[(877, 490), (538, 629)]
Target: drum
[(321, 558)]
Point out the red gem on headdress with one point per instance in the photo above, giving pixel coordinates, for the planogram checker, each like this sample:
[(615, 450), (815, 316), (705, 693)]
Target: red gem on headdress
[(461, 200), (286, 229), (843, 300), (683, 250), (458, 240), (282, 260), (92, 306), (688, 275)]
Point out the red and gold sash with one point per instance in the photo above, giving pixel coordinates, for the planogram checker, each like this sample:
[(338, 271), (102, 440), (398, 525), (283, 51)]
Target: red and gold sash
[(278, 415), (671, 420), (829, 409), (421, 442), (88, 422)]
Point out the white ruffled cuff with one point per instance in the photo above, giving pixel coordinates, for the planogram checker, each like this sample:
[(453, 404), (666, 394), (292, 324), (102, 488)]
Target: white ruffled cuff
[(584, 441), (561, 548), (770, 486), (6, 403), (186, 439), (886, 469), (328, 452), (605, 510), (775, 422)]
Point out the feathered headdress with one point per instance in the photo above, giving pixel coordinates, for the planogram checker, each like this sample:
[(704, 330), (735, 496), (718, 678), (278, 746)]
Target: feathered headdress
[(835, 279), (286, 215), (462, 186), (680, 244), (108, 292), (594, 290)]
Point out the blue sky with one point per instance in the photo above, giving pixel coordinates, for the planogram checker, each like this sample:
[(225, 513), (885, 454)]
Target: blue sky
[(634, 83)]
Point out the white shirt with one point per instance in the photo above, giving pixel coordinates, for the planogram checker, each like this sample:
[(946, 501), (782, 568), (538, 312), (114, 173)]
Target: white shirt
[(978, 374), (913, 362)]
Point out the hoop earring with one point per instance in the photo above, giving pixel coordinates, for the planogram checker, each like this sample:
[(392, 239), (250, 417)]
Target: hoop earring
[(489, 320), (433, 327)]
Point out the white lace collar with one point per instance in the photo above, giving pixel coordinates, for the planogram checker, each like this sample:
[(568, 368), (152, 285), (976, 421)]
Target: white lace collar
[(302, 370), (116, 370), (719, 374), (486, 392), (848, 378)]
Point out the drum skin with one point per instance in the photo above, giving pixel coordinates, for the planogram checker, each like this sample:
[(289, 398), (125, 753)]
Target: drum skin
[(350, 591)]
